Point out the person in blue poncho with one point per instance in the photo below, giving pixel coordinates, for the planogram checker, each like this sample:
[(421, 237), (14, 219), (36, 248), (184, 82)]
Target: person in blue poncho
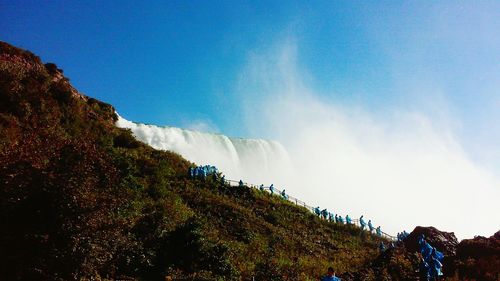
[(336, 218), (362, 223), (341, 220), (223, 180), (271, 188), (283, 194), (317, 211), (426, 250), (370, 226), (324, 213), (437, 254), (240, 183), (379, 231), (435, 267), (330, 276), (348, 219), (431, 264), (261, 187), (330, 217)]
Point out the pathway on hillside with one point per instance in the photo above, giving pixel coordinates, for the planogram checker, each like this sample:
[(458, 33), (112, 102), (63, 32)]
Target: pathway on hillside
[(299, 202)]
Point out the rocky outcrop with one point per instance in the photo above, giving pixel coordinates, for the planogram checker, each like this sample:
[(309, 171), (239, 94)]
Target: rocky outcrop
[(445, 242), (472, 259), (479, 258)]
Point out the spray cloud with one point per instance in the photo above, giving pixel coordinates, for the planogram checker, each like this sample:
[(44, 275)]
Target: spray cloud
[(400, 168)]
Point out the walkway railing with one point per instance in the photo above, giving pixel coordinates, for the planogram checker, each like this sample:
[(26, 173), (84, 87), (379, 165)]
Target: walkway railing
[(299, 202)]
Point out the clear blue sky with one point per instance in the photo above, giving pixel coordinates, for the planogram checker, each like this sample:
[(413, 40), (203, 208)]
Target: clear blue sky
[(178, 62)]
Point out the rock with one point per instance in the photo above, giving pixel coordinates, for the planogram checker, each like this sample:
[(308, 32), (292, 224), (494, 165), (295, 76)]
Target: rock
[(445, 242), (479, 258), (479, 247), (472, 259)]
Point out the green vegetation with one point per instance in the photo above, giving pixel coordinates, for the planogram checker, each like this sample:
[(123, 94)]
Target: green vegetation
[(82, 199)]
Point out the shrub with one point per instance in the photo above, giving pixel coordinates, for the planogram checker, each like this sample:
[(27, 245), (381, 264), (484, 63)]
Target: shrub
[(126, 140)]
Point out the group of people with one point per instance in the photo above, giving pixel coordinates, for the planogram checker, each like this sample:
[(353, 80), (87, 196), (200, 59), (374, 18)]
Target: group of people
[(272, 189), (402, 235), (339, 219), (370, 226), (432, 260), (207, 170), (325, 215), (262, 188), (202, 171), (431, 264)]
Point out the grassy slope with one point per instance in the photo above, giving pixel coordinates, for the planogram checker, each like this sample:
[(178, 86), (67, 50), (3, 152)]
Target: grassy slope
[(80, 198)]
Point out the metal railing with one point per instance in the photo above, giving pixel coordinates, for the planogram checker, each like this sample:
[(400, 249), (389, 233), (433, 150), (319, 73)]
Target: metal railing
[(296, 201)]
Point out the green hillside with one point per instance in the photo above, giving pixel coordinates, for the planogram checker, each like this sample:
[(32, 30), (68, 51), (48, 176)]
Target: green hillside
[(83, 200)]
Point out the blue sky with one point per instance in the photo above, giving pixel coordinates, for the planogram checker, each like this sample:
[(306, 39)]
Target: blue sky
[(180, 63)]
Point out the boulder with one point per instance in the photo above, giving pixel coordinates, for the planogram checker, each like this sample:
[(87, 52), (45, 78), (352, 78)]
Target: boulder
[(445, 242), (479, 258), (479, 247)]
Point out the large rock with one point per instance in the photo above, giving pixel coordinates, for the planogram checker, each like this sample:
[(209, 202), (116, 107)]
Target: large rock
[(479, 247), (445, 242), (475, 259), (479, 258)]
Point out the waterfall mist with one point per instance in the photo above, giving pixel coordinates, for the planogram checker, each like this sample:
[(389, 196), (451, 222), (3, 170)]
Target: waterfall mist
[(401, 166)]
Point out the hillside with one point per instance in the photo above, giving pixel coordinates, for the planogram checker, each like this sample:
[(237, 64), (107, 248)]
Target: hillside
[(81, 199)]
